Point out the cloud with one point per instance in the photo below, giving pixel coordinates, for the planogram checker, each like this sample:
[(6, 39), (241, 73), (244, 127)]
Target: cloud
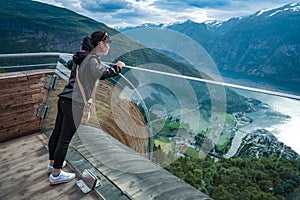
[(135, 12), (105, 5), (178, 4)]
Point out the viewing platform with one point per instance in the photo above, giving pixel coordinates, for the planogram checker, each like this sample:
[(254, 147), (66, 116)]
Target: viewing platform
[(23, 172), (117, 154)]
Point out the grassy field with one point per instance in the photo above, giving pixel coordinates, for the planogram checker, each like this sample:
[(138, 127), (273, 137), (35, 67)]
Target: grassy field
[(163, 139), (164, 143), (223, 142), (193, 153)]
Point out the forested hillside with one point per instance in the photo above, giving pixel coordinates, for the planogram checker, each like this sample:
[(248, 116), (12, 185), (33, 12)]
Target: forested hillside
[(269, 178)]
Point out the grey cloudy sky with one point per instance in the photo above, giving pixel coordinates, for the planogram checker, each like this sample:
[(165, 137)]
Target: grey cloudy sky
[(135, 12)]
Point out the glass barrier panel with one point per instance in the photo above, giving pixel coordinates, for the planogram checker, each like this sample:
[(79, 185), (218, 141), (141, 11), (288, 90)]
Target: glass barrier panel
[(226, 133), (219, 139), (193, 106), (27, 62), (62, 74)]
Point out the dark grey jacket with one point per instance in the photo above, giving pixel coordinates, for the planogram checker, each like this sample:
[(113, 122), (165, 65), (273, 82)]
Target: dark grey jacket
[(90, 70)]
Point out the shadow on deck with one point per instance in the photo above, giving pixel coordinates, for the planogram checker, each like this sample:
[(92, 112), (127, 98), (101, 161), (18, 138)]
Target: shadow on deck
[(23, 172)]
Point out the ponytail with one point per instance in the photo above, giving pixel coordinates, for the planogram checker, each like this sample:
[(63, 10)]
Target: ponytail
[(87, 44)]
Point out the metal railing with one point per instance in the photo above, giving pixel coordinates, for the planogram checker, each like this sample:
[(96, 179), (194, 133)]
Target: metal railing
[(179, 105)]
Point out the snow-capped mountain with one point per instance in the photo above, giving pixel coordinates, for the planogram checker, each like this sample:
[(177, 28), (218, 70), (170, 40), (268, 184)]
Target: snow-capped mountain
[(265, 44), (293, 7)]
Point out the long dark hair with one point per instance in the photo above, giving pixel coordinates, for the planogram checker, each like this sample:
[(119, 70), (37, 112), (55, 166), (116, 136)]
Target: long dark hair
[(90, 42)]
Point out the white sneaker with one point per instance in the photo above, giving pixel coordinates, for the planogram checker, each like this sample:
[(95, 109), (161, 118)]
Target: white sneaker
[(50, 168), (63, 177)]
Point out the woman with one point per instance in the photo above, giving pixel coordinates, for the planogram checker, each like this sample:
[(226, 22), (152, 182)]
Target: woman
[(71, 102)]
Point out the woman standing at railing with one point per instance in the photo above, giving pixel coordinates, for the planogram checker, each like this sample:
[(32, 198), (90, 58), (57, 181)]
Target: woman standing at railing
[(86, 69)]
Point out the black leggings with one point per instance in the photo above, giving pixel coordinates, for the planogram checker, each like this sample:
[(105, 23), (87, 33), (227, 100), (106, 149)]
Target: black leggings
[(67, 121)]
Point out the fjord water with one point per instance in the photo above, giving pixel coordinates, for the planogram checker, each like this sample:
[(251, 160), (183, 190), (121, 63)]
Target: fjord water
[(279, 115)]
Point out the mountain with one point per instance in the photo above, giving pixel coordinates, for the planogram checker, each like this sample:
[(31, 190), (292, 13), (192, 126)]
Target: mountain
[(264, 46), (29, 26)]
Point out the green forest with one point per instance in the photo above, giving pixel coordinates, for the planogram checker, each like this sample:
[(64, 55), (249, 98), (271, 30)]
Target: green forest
[(241, 178)]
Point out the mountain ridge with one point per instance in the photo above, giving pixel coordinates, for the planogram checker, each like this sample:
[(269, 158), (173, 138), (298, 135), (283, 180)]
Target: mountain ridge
[(32, 27), (263, 45)]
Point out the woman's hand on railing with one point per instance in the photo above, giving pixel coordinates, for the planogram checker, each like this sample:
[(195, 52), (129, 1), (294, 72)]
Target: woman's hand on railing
[(120, 64)]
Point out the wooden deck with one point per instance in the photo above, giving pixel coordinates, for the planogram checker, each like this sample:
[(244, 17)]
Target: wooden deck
[(23, 173), (130, 172), (116, 147)]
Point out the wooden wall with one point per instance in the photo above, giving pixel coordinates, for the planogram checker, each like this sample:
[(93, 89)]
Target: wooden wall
[(22, 92), (20, 95)]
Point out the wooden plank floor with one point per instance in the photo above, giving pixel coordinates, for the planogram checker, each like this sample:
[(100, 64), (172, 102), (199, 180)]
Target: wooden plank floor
[(23, 173)]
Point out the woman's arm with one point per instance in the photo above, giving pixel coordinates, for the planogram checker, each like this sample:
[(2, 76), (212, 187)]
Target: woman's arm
[(101, 72), (113, 70)]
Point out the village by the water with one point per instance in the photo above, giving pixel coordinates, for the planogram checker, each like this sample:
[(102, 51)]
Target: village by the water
[(176, 139)]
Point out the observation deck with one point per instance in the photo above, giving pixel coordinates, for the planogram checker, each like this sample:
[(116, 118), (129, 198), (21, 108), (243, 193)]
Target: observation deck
[(116, 146)]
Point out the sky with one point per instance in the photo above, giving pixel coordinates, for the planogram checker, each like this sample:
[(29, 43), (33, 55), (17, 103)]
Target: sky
[(121, 13)]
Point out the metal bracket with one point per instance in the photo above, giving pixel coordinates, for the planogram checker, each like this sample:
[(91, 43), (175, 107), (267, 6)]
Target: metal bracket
[(88, 182), (43, 111), (51, 82)]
